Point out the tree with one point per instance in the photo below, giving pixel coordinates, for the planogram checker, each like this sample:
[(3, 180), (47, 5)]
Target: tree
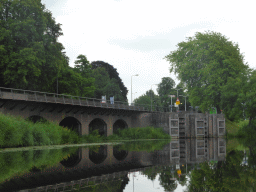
[(29, 51), (101, 80), (113, 89), (147, 99), (112, 72), (72, 83), (164, 89), (204, 63), (238, 97), (86, 84), (83, 65)]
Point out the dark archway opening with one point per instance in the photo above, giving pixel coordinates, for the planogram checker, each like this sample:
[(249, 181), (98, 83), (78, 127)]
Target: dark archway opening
[(72, 123), (98, 155), (73, 159), (119, 154), (119, 124), (98, 124), (36, 118)]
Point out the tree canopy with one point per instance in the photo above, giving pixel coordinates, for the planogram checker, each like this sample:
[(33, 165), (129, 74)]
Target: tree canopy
[(31, 56), (204, 63), (29, 51), (112, 72)]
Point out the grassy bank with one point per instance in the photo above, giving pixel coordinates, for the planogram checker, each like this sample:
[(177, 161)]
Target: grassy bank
[(234, 128), (17, 132)]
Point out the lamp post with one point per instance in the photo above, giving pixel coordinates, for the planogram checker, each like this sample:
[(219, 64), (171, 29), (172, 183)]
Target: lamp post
[(151, 95), (171, 100), (185, 101), (131, 86)]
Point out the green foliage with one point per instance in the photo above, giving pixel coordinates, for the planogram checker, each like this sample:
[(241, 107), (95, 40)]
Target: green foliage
[(228, 175), (141, 133), (204, 63), (31, 56), (19, 132), (146, 100), (29, 53), (113, 74), (72, 83), (238, 98), (18, 163), (112, 89), (148, 146), (101, 80)]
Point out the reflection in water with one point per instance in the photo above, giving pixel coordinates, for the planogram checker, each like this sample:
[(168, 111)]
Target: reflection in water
[(119, 154), (99, 154), (72, 159), (195, 165)]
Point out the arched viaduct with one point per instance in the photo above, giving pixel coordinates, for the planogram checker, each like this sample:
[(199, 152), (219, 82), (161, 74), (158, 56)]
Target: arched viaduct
[(81, 117)]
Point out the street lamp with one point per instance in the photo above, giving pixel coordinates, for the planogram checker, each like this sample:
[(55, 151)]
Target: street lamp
[(185, 101), (171, 100), (151, 95), (131, 86)]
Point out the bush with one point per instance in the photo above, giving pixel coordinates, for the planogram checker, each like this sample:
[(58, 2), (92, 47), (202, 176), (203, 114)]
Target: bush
[(15, 132)]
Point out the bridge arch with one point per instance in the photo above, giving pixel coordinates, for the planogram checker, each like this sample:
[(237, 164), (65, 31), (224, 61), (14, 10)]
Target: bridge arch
[(119, 124), (98, 155), (72, 123), (98, 124), (36, 118)]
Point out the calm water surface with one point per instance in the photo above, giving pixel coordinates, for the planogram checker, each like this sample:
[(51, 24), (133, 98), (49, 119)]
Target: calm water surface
[(179, 165)]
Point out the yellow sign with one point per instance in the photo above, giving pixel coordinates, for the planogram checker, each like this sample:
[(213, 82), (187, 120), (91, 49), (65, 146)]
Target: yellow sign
[(177, 101), (179, 172)]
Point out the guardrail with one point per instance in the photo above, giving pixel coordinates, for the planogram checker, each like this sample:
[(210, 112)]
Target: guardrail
[(29, 95)]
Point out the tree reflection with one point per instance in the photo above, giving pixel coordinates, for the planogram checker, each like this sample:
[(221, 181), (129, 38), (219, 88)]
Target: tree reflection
[(229, 175)]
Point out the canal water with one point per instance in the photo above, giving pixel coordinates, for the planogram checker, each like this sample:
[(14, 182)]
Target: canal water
[(180, 165)]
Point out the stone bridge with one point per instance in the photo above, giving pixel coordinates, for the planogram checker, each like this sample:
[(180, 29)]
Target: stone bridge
[(79, 113), (87, 114)]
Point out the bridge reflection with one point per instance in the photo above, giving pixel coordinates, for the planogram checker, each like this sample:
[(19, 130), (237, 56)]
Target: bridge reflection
[(106, 163)]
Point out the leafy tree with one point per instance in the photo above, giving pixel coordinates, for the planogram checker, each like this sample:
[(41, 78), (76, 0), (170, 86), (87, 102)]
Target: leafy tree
[(112, 74), (112, 89), (238, 95), (204, 63), (101, 80), (73, 83), (29, 52), (86, 84), (146, 100), (83, 65)]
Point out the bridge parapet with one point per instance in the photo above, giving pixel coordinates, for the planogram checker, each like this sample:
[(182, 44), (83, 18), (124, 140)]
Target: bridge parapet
[(28, 95)]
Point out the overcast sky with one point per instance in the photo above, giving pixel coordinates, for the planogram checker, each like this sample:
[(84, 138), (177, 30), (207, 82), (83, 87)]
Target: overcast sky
[(135, 35)]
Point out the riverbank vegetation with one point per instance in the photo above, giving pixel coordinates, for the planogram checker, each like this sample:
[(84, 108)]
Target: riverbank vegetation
[(18, 132)]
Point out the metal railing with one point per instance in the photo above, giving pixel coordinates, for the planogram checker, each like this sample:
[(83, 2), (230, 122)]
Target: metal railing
[(29, 95)]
